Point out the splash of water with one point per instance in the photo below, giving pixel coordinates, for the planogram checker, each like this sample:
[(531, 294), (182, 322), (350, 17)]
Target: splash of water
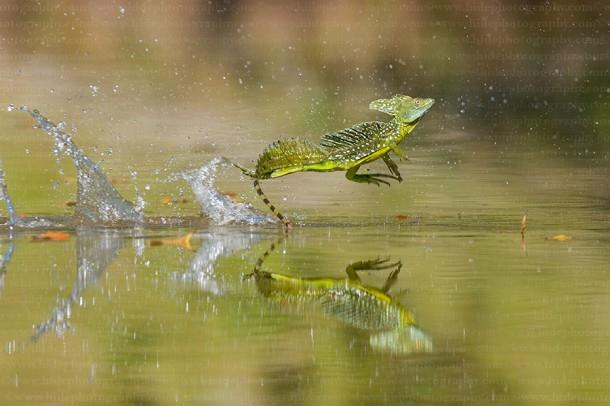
[(217, 206), (13, 218), (16, 221), (97, 200)]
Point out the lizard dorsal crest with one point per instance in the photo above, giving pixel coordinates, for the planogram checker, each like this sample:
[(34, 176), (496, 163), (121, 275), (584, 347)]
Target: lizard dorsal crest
[(388, 106), (353, 136), (406, 108), (286, 154)]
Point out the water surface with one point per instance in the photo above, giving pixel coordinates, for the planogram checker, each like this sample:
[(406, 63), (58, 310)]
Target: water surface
[(142, 102)]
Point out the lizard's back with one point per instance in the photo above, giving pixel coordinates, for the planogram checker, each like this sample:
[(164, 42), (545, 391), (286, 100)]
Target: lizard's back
[(352, 302), (355, 144), (337, 151)]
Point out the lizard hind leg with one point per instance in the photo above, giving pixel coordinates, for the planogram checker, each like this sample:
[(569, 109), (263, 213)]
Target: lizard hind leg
[(392, 277), (374, 178), (287, 224)]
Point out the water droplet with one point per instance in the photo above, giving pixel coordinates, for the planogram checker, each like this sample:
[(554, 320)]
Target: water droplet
[(11, 107)]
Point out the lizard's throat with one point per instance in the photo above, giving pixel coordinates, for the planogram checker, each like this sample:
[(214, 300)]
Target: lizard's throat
[(406, 127)]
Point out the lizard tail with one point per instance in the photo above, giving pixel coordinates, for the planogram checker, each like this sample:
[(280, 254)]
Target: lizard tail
[(245, 171), (275, 211), (261, 259)]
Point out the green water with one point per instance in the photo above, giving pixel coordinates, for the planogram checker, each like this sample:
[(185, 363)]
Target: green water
[(510, 320), (520, 127)]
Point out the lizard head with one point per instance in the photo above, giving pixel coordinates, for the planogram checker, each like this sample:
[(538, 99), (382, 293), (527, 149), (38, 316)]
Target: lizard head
[(406, 108)]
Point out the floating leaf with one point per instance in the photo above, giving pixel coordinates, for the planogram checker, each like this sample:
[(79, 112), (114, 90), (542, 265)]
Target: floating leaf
[(560, 237), (167, 200), (403, 217), (234, 197), (184, 241), (52, 236)]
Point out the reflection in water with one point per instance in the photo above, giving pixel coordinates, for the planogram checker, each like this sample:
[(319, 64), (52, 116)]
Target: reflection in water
[(94, 253), (97, 250), (392, 326), (4, 260), (202, 269)]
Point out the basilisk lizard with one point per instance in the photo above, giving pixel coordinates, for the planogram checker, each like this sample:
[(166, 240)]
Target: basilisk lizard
[(344, 150)]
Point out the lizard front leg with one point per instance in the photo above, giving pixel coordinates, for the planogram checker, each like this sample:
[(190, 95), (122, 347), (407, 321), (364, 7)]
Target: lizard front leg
[(399, 153), (392, 166)]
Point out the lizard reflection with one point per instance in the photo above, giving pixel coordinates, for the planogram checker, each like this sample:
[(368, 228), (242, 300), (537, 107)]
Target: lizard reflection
[(392, 326)]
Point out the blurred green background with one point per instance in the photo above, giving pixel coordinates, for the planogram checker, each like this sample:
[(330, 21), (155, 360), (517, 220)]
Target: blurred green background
[(520, 126), (190, 79)]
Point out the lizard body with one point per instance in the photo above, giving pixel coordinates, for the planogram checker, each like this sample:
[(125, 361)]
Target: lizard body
[(347, 149)]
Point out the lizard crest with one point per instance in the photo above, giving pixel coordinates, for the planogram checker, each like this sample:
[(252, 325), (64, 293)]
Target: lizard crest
[(404, 108)]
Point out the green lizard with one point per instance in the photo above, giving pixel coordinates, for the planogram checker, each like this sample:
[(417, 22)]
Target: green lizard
[(345, 150), (350, 301)]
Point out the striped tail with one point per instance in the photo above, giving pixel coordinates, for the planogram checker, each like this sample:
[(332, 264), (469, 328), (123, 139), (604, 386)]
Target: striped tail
[(275, 211), (263, 257), (245, 171)]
